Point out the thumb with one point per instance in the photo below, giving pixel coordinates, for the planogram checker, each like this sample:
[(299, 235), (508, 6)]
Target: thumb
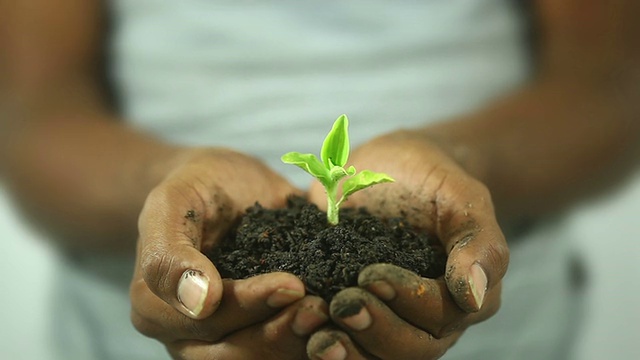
[(169, 257), (478, 253)]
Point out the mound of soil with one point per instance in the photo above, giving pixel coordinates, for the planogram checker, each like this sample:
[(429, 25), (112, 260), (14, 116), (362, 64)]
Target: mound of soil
[(298, 240)]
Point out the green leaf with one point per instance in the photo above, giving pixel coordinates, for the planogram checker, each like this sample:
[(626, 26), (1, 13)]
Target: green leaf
[(335, 149), (308, 163), (363, 180)]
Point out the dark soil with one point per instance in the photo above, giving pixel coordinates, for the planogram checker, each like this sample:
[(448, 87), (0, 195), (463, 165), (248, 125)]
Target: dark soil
[(298, 240)]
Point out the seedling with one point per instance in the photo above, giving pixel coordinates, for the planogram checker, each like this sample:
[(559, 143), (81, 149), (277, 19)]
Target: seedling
[(331, 172)]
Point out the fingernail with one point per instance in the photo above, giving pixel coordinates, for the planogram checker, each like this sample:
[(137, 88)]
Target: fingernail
[(192, 291), (382, 290), (478, 284), (282, 297), (334, 352), (306, 321), (359, 321)]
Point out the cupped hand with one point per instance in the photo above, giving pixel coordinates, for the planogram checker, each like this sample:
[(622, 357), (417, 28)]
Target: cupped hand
[(177, 294), (394, 313)]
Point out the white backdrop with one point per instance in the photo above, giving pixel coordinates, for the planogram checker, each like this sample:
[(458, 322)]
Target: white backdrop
[(26, 265)]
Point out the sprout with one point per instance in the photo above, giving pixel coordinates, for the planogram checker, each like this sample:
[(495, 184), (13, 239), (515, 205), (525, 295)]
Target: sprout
[(330, 171)]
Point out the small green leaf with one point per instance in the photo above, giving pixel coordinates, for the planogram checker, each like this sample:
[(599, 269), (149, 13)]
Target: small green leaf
[(308, 163), (363, 180), (335, 149), (330, 171)]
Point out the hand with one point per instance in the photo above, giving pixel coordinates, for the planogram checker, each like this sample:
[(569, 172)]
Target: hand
[(177, 295), (425, 316)]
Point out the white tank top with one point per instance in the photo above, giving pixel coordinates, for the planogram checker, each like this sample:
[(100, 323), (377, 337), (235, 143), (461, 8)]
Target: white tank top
[(270, 77)]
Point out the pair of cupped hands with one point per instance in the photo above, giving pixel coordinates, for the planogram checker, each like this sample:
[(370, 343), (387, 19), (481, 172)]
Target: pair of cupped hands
[(179, 298)]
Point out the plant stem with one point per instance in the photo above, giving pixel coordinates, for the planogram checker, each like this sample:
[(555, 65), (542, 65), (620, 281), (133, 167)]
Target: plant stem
[(333, 209)]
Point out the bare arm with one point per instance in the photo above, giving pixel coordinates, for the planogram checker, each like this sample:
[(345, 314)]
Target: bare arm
[(75, 168), (575, 127), (94, 184)]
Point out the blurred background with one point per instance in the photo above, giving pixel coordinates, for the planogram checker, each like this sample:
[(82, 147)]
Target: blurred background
[(607, 230)]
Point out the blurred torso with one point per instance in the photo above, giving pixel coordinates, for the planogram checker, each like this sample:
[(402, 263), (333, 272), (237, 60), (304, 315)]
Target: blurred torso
[(270, 77)]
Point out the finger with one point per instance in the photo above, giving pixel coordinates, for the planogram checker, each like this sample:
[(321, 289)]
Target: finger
[(169, 257), (334, 344), (478, 255), (245, 302), (369, 323), (282, 337), (424, 303)]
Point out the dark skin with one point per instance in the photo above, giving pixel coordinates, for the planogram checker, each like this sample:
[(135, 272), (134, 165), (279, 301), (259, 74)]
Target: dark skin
[(570, 132)]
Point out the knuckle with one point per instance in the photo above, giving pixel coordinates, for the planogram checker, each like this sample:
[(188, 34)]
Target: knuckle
[(481, 193), (498, 255), (482, 189), (157, 198), (160, 194), (156, 267)]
